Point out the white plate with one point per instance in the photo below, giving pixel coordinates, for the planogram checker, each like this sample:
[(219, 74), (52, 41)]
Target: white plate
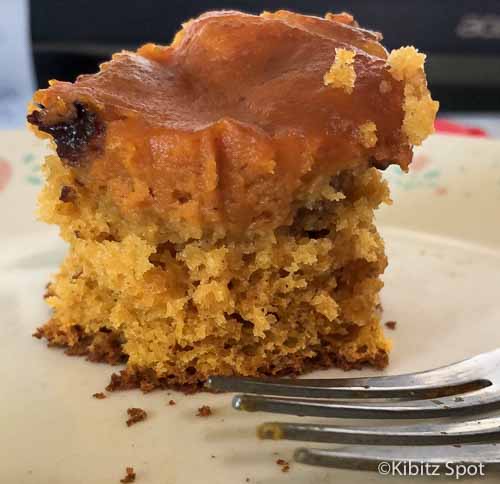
[(443, 241)]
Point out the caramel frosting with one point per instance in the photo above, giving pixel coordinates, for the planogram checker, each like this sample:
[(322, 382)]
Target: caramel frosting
[(224, 128)]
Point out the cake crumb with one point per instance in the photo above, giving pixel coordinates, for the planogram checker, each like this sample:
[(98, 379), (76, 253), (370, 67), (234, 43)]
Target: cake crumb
[(171, 402), (67, 194), (342, 74), (325, 305), (99, 396), (129, 477), (136, 415), (204, 411), (391, 324), (147, 387), (285, 466), (48, 293), (407, 65), (343, 18), (368, 134)]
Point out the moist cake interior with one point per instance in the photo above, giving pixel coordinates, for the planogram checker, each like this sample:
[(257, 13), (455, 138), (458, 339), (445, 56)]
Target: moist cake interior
[(286, 301)]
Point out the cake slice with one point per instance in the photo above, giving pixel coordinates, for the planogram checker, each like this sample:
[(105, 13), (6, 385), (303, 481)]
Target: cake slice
[(217, 196)]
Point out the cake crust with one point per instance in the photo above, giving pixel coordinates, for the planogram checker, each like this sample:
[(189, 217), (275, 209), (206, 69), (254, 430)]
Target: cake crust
[(105, 350)]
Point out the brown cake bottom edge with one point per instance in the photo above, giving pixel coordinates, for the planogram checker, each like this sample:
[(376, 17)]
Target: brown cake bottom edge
[(106, 347)]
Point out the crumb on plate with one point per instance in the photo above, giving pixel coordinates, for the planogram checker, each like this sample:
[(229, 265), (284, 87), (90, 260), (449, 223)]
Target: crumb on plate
[(204, 411), (136, 415), (130, 475), (285, 466)]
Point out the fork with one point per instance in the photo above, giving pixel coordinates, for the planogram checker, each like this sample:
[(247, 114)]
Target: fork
[(463, 389)]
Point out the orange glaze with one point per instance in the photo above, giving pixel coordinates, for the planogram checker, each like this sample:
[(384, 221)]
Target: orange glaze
[(222, 128)]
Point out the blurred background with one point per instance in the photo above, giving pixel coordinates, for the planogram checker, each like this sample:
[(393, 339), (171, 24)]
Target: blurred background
[(46, 39)]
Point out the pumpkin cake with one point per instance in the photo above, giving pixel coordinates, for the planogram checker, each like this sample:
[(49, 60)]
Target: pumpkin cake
[(217, 195)]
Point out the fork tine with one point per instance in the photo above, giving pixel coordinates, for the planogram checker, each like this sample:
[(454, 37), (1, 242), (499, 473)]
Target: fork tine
[(467, 375), (478, 431), (479, 401), (366, 388), (370, 458)]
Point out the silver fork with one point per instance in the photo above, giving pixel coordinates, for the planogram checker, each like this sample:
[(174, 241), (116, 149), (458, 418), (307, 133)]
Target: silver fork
[(462, 389)]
